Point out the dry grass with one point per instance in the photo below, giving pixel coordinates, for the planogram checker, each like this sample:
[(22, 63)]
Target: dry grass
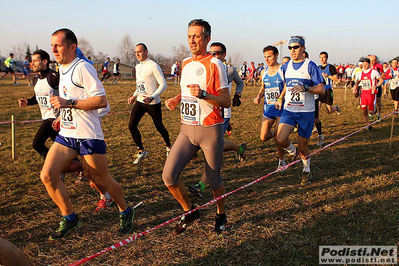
[(352, 201)]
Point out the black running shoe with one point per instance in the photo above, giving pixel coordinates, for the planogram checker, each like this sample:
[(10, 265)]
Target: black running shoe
[(185, 221), (126, 222), (64, 228), (306, 178), (196, 190), (220, 223)]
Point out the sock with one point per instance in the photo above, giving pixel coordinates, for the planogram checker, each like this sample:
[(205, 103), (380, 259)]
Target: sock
[(291, 149), (240, 150), (220, 215), (126, 212), (202, 185), (306, 164), (318, 126), (71, 217), (105, 196)]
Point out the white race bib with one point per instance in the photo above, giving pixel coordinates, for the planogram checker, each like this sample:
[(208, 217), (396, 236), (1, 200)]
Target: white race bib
[(394, 83), (366, 84), (43, 98), (296, 99), (140, 87), (189, 110), (67, 121), (271, 95)]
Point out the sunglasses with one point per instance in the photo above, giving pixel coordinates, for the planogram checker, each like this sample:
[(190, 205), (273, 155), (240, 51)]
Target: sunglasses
[(216, 53), (294, 47)]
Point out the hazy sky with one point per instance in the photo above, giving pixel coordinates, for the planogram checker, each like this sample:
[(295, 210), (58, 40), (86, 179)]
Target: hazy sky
[(347, 29)]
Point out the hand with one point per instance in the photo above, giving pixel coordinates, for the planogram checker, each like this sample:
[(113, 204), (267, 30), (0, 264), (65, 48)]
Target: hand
[(257, 100), (131, 100), (325, 75), (297, 89), (56, 124), (58, 102), (171, 103), (148, 100), (195, 90), (236, 100), (279, 104), (22, 102)]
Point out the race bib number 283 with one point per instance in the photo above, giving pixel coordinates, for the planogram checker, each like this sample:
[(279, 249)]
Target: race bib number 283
[(189, 110)]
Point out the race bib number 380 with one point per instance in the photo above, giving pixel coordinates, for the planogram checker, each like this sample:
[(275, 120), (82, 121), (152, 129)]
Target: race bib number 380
[(271, 95), (67, 121), (295, 98), (189, 110)]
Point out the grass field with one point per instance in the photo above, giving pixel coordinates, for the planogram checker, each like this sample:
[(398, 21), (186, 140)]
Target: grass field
[(353, 199)]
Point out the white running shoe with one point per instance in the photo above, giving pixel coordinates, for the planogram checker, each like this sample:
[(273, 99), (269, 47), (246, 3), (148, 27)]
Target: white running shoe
[(140, 157), (281, 164), (321, 140), (167, 151)]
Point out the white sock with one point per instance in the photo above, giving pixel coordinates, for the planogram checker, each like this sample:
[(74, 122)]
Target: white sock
[(105, 196), (291, 149), (306, 164)]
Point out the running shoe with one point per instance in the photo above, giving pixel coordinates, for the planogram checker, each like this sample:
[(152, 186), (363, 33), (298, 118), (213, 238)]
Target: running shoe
[(368, 128), (229, 130), (241, 156), (16, 83), (378, 118), (396, 112), (62, 177), (140, 157), (338, 110), (104, 204), (80, 178), (296, 129), (306, 178), (167, 151), (220, 223), (371, 117), (314, 130), (185, 220), (281, 164), (321, 140), (126, 222), (64, 228), (196, 190)]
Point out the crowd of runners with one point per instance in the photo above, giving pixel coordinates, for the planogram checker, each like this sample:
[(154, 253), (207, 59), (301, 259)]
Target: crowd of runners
[(73, 100)]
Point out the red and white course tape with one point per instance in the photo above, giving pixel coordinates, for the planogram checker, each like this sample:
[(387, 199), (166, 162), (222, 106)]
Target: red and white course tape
[(137, 236)]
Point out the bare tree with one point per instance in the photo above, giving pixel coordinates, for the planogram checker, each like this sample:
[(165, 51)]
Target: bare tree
[(85, 46), (181, 52), (126, 50), (236, 59), (164, 62), (100, 56), (19, 51)]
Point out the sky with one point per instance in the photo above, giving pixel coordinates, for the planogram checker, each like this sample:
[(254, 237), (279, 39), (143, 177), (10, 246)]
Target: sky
[(347, 30)]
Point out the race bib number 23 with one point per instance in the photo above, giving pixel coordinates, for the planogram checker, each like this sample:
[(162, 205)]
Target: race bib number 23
[(67, 121)]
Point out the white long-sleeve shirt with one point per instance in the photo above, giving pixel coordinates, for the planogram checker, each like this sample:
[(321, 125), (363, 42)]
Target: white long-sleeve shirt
[(150, 81)]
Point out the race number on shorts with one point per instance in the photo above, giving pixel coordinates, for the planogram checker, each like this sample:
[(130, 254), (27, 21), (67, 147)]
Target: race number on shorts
[(190, 110)]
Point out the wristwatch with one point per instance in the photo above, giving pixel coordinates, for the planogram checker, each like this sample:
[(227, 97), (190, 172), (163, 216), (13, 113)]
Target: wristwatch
[(70, 103), (306, 87), (203, 94)]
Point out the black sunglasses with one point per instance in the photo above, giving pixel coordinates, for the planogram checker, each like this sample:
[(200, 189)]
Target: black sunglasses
[(294, 47), (216, 53)]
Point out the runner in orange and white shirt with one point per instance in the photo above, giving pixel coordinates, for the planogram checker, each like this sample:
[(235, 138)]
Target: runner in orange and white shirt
[(204, 90), (370, 79)]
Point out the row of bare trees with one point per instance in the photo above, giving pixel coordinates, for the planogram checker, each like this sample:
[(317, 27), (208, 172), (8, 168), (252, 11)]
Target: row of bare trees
[(125, 50)]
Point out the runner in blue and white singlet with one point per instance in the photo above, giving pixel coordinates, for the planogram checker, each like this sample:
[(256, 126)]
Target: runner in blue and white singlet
[(302, 80)]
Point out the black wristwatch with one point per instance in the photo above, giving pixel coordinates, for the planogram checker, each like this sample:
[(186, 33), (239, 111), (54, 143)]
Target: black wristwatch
[(203, 94), (306, 87), (70, 103)]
